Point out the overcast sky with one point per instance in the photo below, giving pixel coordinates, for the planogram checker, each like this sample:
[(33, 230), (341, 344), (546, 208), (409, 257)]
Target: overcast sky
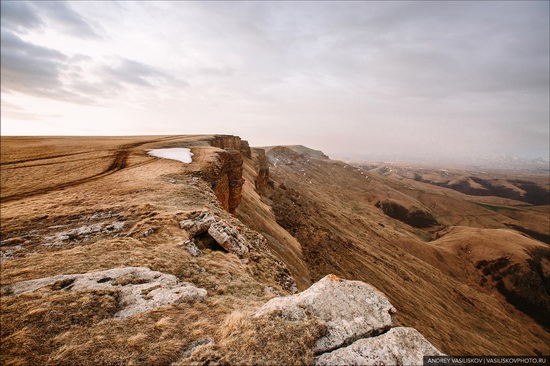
[(370, 79)]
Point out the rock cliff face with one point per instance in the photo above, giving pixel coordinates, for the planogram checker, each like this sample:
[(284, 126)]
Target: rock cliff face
[(228, 186), (262, 167), (227, 181), (245, 149)]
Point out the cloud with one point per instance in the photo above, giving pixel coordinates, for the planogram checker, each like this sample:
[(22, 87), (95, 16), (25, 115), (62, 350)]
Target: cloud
[(44, 72), (28, 68), (15, 111), (60, 14), (22, 17), (132, 72), (19, 16)]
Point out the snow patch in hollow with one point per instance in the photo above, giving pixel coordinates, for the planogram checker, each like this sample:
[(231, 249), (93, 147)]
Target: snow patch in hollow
[(177, 153)]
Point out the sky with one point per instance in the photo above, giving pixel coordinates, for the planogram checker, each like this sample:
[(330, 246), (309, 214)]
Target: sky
[(373, 80)]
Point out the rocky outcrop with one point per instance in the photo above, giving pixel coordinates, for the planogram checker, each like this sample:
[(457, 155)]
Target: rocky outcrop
[(140, 289), (351, 309), (359, 321), (399, 346), (226, 142), (412, 216), (245, 149), (262, 169), (223, 233), (228, 237), (198, 223), (226, 175), (228, 181)]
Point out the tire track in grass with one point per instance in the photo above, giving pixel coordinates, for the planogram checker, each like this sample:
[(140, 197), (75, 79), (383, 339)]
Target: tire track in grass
[(118, 163)]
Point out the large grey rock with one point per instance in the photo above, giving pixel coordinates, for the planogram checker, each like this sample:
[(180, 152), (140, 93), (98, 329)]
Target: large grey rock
[(399, 346), (221, 231), (351, 310), (198, 224), (228, 237), (141, 289)]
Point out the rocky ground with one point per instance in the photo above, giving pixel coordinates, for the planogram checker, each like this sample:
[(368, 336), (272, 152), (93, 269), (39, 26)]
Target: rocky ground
[(112, 256)]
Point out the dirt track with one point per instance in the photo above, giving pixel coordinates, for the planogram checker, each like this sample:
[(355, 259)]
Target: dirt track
[(119, 161)]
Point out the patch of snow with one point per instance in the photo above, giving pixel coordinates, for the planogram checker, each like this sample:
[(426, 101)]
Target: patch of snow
[(177, 153)]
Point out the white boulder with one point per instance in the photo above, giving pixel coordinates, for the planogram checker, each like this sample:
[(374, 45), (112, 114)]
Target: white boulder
[(350, 309)]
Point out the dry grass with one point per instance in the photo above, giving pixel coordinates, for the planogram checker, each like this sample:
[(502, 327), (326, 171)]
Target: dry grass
[(30, 322), (64, 328), (265, 340), (154, 338)]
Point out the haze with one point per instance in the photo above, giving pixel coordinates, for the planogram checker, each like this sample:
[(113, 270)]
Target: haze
[(354, 79)]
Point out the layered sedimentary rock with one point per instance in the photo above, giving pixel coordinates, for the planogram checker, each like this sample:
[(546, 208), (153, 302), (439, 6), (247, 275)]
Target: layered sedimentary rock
[(222, 232), (226, 142), (229, 183), (245, 149)]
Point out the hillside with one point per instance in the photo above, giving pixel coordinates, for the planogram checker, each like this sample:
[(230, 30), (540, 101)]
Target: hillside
[(453, 280), (108, 251)]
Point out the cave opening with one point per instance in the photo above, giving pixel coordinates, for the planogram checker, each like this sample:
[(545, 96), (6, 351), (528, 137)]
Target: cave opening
[(206, 241)]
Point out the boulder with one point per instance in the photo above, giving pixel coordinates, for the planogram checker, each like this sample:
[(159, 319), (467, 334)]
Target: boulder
[(225, 234), (399, 346), (140, 288), (350, 309), (228, 237), (198, 224)]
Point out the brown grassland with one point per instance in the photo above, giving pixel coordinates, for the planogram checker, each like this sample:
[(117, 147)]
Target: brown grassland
[(476, 282)]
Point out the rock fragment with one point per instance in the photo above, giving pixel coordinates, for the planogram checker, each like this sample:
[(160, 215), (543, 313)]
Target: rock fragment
[(228, 237), (399, 346)]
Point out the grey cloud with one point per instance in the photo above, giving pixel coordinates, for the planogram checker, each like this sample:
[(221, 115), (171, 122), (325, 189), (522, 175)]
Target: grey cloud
[(28, 68), (40, 71), (61, 15), (133, 72), (35, 70), (418, 47), (20, 17)]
